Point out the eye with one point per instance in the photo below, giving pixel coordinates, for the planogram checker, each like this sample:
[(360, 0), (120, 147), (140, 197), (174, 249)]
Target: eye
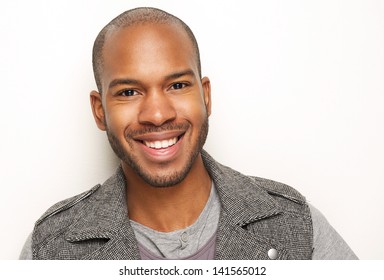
[(127, 92), (178, 86)]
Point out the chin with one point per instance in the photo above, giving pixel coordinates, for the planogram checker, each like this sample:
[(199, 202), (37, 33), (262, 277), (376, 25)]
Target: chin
[(160, 180)]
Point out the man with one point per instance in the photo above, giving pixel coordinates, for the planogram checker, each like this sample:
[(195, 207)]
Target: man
[(169, 199)]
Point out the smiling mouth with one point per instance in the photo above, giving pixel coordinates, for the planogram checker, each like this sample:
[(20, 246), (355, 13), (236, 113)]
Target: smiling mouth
[(162, 144)]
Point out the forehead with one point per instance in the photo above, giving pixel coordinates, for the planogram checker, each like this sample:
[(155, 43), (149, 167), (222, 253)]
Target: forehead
[(147, 48)]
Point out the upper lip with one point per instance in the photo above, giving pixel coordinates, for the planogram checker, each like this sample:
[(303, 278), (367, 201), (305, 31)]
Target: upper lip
[(159, 136)]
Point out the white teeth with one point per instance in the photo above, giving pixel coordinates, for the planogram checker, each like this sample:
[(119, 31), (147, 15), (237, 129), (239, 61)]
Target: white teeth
[(161, 144), (157, 144), (164, 143)]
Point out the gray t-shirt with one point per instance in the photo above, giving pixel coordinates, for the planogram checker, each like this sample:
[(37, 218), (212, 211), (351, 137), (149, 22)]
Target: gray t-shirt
[(198, 240)]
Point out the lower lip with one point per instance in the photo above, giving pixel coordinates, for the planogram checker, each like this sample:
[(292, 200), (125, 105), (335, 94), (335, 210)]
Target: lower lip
[(164, 154)]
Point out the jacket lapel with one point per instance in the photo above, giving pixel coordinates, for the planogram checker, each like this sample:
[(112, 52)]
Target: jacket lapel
[(122, 246), (242, 202), (106, 217)]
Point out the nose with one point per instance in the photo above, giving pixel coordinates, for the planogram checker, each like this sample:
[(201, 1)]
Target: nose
[(156, 109)]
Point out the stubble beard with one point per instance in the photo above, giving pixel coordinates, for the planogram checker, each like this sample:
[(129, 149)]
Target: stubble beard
[(154, 180)]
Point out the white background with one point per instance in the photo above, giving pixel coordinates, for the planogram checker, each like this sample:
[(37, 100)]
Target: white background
[(297, 97)]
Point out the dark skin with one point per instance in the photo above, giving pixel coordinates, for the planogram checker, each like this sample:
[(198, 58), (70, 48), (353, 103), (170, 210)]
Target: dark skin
[(153, 96)]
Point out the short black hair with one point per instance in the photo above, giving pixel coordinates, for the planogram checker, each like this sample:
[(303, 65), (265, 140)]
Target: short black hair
[(133, 17)]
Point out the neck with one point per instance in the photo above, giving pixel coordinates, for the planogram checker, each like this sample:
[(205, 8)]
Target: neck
[(168, 208)]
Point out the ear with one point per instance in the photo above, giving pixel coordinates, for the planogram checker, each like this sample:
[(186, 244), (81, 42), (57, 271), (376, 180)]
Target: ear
[(97, 109), (206, 84)]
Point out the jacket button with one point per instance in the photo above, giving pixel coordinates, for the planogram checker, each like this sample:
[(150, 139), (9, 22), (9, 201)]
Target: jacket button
[(272, 254), (184, 236)]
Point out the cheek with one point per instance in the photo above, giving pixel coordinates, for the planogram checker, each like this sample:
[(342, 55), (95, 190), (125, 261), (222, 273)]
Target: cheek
[(119, 117), (194, 110)]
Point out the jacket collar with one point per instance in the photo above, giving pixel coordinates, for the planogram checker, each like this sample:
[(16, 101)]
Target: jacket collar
[(243, 200), (105, 214)]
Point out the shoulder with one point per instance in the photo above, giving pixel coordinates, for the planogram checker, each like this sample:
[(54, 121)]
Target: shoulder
[(99, 191), (289, 200), (236, 183), (278, 189), (60, 217), (67, 204), (258, 193), (94, 214)]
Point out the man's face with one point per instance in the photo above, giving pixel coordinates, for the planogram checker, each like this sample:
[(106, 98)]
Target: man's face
[(154, 106)]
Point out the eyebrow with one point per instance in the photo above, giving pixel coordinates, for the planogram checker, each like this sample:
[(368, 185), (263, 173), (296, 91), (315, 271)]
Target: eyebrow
[(172, 76), (176, 75), (117, 82)]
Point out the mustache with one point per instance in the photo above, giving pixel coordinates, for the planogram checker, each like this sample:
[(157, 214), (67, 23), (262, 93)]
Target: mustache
[(144, 129)]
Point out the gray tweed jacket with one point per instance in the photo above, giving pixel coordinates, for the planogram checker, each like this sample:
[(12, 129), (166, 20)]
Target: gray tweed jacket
[(256, 216)]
